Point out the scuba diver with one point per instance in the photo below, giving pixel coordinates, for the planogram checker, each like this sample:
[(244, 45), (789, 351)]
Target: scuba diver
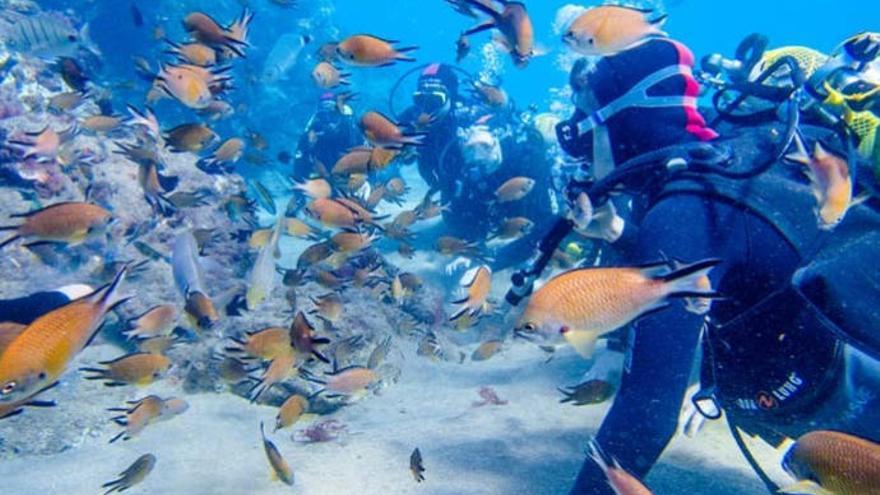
[(790, 349), (468, 153), (329, 134)]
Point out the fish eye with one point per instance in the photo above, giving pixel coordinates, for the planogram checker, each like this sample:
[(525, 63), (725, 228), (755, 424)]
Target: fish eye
[(529, 327), (42, 375), (590, 41), (71, 38), (8, 388)]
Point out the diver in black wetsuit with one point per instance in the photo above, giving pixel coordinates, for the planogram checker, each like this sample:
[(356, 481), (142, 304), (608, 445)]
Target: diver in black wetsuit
[(329, 134), (774, 366), (470, 151), (24, 310)]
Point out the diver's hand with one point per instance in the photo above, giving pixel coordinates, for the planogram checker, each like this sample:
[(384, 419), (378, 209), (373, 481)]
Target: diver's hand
[(604, 224), (691, 421), (458, 265)]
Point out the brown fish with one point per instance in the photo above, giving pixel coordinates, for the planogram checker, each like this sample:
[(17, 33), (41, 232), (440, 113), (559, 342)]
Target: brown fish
[(65, 102), (280, 369), (582, 305), (137, 416), (475, 302), (513, 228), (514, 189), (486, 350), (280, 468), (44, 144), (134, 474), (314, 254), (193, 53), (201, 311), (347, 381), (302, 335), (266, 344), (101, 123), (8, 332), (831, 462), (328, 307), (190, 137), (326, 76), (364, 50), (205, 29), (385, 133), (132, 369), (156, 321), (515, 27), (452, 246), (41, 353), (228, 153), (290, 411), (492, 96), (590, 392)]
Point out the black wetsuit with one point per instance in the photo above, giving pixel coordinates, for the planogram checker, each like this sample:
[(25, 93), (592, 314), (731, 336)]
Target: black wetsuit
[(328, 136), (471, 214), (25, 310), (773, 362)]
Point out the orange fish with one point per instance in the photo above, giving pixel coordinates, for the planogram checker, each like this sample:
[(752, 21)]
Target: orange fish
[(477, 296), (205, 29), (347, 381), (609, 29), (831, 182), (315, 188), (514, 189), (302, 335), (138, 416), (140, 368), (514, 25), (831, 462), (385, 133), (267, 344), (9, 331), (156, 321), (44, 145), (364, 50), (326, 76), (200, 310), (582, 305), (280, 468), (620, 481), (290, 411), (69, 223), (280, 368), (193, 53), (37, 358)]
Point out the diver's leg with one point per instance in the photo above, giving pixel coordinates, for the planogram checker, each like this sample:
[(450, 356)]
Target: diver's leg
[(657, 369), (24, 310)]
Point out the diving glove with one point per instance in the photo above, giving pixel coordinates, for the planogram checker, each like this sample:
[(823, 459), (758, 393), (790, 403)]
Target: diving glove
[(596, 223)]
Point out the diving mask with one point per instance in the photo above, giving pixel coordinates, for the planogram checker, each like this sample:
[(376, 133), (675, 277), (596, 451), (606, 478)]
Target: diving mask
[(481, 149)]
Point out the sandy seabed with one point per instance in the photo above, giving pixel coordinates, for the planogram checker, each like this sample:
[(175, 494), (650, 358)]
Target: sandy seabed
[(532, 445)]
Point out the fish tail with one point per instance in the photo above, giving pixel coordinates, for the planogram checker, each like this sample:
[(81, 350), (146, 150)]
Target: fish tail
[(10, 240), (99, 374), (107, 296), (684, 281), (117, 436), (458, 314)]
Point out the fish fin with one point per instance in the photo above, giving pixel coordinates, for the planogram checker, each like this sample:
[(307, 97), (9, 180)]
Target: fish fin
[(10, 240), (168, 183), (117, 436), (406, 49), (461, 311), (684, 278), (806, 487), (14, 412), (658, 22), (483, 8), (583, 341), (483, 26), (800, 154)]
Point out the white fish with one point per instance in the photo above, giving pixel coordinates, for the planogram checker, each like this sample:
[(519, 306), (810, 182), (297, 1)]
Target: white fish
[(185, 265), (262, 276), (283, 57)]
